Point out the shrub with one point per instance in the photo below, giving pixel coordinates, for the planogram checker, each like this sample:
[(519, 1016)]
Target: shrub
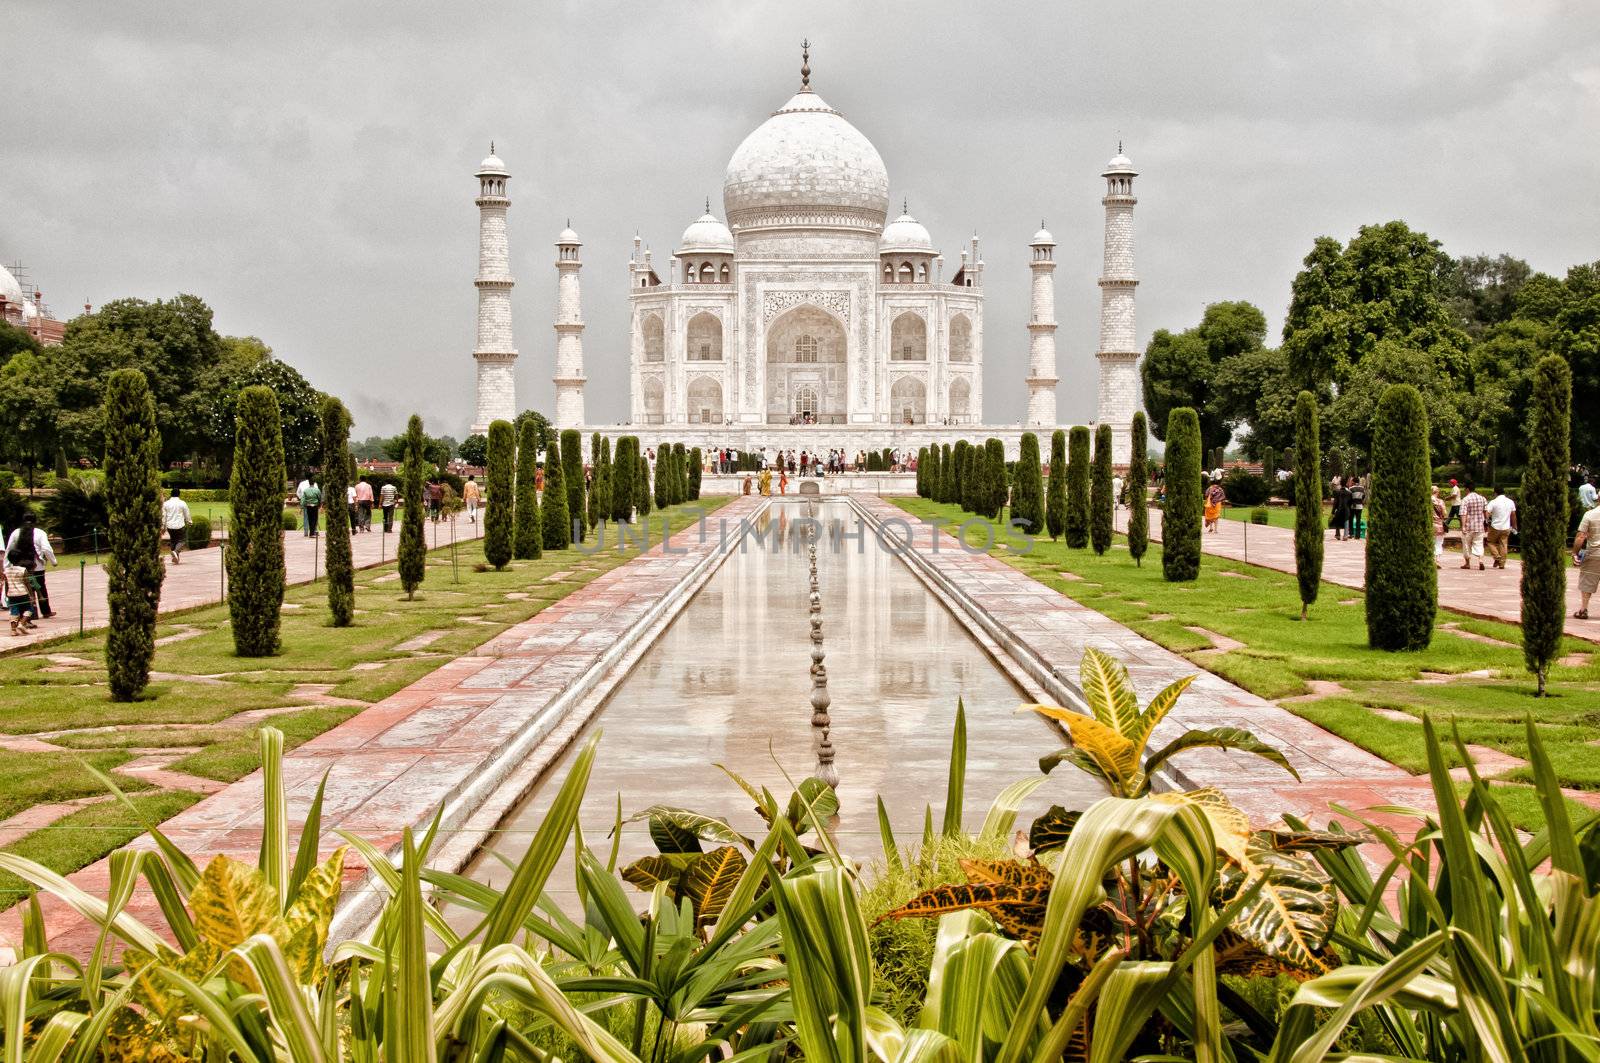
[(133, 503), (255, 540), (1401, 578), (413, 552), (995, 484), (1245, 488), (335, 487), (291, 521), (663, 497), (554, 520), (641, 481), (572, 476), (1259, 515), (1307, 484), (77, 513), (1136, 487), (972, 479), (1076, 527), (1055, 492), (198, 534), (697, 463), (945, 491), (1027, 493), (600, 492), (1542, 516), (591, 508), (680, 474), (1180, 520), (930, 475), (500, 517), (527, 525), (620, 478), (958, 474), (1101, 504), (922, 472)]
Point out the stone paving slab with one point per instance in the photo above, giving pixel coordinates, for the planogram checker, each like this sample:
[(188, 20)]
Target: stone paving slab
[(1492, 594), (392, 765)]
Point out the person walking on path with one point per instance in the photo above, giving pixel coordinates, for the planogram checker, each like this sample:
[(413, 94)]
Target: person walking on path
[(1586, 555), (1589, 492), (1216, 498), (363, 506), (300, 496), (36, 551), (1455, 504), (310, 504), (435, 498), (470, 493), (1441, 520), (1358, 508), (175, 518), (21, 599), (1502, 520), (1473, 510), (386, 499), (1340, 521)]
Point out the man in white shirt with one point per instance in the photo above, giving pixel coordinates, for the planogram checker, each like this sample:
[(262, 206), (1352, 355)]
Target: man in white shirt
[(41, 554), (175, 518), (300, 495), (1116, 492), (1501, 516), (1588, 493)]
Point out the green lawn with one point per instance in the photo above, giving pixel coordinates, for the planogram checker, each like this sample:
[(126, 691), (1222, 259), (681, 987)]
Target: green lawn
[(63, 686), (1260, 608), (1277, 516)]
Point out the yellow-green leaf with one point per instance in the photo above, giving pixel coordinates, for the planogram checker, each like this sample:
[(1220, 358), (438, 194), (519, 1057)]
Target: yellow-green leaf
[(305, 924), (232, 902), (1110, 695)]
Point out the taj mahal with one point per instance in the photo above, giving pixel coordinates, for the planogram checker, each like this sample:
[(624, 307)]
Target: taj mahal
[(807, 319)]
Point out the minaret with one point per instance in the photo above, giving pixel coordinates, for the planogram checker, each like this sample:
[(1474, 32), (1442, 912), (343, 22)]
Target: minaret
[(569, 333), (1118, 354), (1042, 332), (496, 357)]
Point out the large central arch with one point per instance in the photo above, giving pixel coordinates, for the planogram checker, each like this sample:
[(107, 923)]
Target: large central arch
[(807, 366)]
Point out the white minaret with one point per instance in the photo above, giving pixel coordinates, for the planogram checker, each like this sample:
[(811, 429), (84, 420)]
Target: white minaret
[(1042, 332), (1119, 353), (496, 357), (569, 333)]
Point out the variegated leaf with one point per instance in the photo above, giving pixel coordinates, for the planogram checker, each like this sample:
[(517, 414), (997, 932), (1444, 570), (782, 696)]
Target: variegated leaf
[(1051, 830), (679, 830), (1295, 841), (1116, 758), (1011, 872), (306, 922), (1105, 685), (1158, 708), (1018, 910), (1220, 738), (1293, 915), (816, 794), (648, 872), (1238, 955), (710, 881), (1230, 827), (232, 902)]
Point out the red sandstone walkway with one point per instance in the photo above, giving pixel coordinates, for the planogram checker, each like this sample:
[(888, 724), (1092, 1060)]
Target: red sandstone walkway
[(1491, 594), (446, 739), (198, 580)]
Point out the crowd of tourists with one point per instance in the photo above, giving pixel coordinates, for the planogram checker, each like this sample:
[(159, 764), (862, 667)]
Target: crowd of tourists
[(725, 460)]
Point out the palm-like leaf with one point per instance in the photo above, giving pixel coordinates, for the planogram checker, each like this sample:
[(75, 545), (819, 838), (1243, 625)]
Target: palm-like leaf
[(1107, 689), (1236, 738), (1158, 708), (1116, 758)]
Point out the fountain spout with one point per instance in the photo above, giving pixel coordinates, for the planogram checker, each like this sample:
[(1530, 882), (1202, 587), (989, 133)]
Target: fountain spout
[(820, 720)]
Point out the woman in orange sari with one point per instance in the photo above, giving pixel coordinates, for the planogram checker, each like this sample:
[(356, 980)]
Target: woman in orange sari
[(1215, 500)]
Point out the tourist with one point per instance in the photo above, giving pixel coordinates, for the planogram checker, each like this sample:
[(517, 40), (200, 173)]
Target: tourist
[(1216, 498), (35, 551), (1441, 520), (175, 518), (1358, 508), (1589, 492), (435, 497), (300, 497), (1116, 493), (311, 505), (1341, 508), (766, 483), (1502, 515), (470, 494), (746, 488), (350, 507), (386, 498), (1587, 557), (783, 481), (21, 599), (1472, 511), (364, 505), (1455, 503)]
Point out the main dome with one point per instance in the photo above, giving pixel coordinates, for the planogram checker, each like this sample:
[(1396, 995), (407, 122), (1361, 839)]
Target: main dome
[(806, 167)]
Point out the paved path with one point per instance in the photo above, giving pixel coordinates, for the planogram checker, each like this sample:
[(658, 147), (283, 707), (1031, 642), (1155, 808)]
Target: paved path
[(198, 580), (1491, 594), (445, 739)]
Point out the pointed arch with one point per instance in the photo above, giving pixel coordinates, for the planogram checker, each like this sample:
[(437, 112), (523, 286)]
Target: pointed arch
[(655, 338), (960, 400), (705, 337), (908, 338), (960, 338)]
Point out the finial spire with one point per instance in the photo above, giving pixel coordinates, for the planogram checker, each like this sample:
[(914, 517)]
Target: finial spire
[(491, 147), (1119, 145), (708, 204), (905, 205), (805, 66)]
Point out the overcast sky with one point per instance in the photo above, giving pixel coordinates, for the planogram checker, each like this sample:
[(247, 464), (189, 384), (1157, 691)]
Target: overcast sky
[(306, 168)]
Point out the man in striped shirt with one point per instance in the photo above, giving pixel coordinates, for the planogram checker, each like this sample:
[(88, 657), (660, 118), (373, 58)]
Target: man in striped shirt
[(1473, 509)]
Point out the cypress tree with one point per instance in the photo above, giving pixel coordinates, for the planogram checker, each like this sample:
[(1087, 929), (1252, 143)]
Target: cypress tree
[(591, 511), (1269, 465), (1542, 516), (641, 483), (922, 472), (1180, 521), (620, 479), (133, 511), (554, 520), (1055, 492), (1402, 578), (1138, 480), (1100, 500), (601, 494), (972, 485), (995, 480), (255, 539), (527, 536), (958, 474), (1308, 533), (1027, 496), (413, 552), (930, 479), (697, 462), (572, 475), (943, 485), (663, 476), (680, 467), (336, 487), (501, 519), (1076, 528)]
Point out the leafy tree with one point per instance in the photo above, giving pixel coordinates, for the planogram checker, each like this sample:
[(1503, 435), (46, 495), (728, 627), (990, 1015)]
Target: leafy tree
[(15, 341), (1353, 414), (29, 410), (1308, 531), (543, 431), (601, 494), (255, 539), (335, 486), (929, 465), (553, 516), (622, 476), (1055, 493), (1027, 492), (527, 537), (1076, 527), (1180, 520), (213, 411), (973, 488), (133, 571), (1542, 513), (572, 476), (501, 518), (641, 483), (1101, 504), (413, 553), (474, 450), (1136, 487), (697, 464), (1577, 339), (1256, 389), (1481, 292), (436, 450), (1184, 369), (1401, 576)]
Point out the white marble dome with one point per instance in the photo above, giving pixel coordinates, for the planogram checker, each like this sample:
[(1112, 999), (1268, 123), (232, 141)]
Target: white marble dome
[(906, 234), (1042, 237), (9, 288), (804, 166), (492, 165), (707, 234), (567, 236), (1120, 163)]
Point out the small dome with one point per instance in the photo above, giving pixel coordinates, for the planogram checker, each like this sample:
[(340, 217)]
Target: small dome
[(707, 234), (1042, 237), (905, 233), (568, 237), (492, 165), (9, 288), (1120, 164)]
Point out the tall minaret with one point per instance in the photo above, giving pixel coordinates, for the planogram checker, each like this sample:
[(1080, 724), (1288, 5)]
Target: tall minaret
[(1119, 353), (569, 333), (1042, 332), (497, 358)]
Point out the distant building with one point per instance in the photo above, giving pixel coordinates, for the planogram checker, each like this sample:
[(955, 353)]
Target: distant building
[(25, 308)]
